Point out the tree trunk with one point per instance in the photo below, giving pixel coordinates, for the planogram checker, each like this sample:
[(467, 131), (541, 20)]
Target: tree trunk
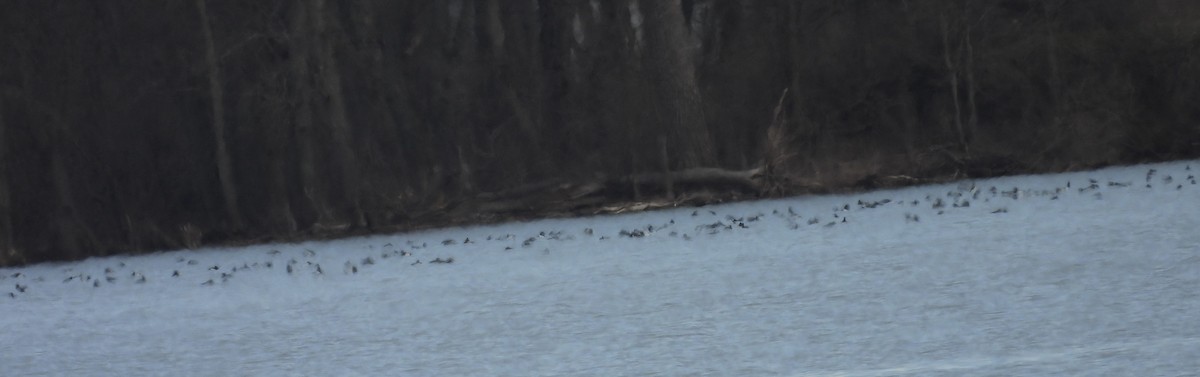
[(216, 95), (312, 186), (280, 216), (795, 55), (952, 74), (339, 124), (1055, 83), (972, 111), (671, 72), (558, 95), (384, 167), (74, 239), (7, 251)]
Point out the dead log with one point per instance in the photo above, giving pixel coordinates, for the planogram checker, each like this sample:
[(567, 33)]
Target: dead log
[(700, 178), (694, 186), (523, 190)]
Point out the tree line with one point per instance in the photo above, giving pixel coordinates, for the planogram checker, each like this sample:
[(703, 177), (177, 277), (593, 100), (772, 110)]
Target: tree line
[(146, 124)]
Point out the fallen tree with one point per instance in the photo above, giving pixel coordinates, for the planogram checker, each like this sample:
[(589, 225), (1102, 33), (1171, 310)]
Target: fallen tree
[(601, 194)]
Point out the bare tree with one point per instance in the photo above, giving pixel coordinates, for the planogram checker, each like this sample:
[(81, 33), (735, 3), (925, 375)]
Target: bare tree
[(303, 95), (671, 71), (217, 98), (6, 230), (950, 59), (325, 31)]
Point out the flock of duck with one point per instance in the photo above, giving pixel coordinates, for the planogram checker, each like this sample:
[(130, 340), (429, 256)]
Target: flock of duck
[(708, 222)]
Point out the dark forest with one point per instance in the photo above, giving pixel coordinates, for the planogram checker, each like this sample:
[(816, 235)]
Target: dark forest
[(141, 125)]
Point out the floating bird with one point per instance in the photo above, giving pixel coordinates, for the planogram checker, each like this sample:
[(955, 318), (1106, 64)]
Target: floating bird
[(416, 263), (632, 234), (21, 288), (175, 274)]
